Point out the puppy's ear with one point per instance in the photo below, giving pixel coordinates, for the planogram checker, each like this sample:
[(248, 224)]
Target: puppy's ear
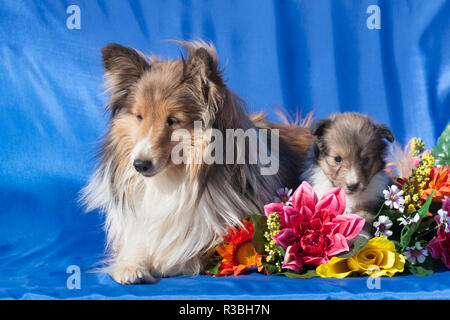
[(385, 132), (317, 131), (124, 66), (204, 79)]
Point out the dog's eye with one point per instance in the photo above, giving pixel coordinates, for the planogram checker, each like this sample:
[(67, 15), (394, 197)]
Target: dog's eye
[(338, 159), (139, 117), (365, 161), (172, 121)]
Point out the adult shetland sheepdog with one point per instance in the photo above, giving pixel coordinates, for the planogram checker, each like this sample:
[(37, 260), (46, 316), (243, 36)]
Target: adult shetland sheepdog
[(162, 217)]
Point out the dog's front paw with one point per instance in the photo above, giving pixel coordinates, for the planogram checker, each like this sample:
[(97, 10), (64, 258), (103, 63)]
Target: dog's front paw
[(131, 275)]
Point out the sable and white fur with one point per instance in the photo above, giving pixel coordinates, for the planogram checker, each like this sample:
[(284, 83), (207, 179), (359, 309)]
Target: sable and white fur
[(165, 221), (349, 152)]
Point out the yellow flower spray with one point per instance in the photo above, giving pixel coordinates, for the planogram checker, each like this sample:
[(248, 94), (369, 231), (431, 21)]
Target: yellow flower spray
[(417, 146), (273, 252), (417, 182)]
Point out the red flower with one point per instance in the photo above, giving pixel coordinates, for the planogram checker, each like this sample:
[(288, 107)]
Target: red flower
[(439, 246), (313, 231), (440, 181)]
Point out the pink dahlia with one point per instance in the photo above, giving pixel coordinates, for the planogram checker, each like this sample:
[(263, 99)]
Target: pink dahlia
[(312, 230)]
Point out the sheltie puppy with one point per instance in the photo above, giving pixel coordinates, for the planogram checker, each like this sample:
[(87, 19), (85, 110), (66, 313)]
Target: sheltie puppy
[(164, 217), (349, 151)]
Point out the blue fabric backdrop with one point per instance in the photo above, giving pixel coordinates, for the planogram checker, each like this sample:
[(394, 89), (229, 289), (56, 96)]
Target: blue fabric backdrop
[(306, 55)]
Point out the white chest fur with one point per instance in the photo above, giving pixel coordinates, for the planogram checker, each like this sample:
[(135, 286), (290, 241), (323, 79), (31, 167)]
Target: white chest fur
[(159, 224)]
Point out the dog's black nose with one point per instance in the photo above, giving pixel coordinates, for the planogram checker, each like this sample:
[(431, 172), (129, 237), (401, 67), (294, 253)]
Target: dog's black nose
[(353, 187), (143, 166)]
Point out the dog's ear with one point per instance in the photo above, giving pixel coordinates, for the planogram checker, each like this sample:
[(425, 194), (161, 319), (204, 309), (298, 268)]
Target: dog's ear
[(202, 65), (124, 66), (201, 73), (317, 131), (385, 132)]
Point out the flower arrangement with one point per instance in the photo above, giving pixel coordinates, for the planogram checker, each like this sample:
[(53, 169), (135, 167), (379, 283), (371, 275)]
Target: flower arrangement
[(301, 236), (309, 232)]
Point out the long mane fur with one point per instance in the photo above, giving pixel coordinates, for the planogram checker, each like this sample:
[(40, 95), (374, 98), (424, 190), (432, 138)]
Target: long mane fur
[(169, 223)]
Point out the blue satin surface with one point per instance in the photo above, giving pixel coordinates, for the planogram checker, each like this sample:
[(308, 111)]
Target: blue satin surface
[(299, 55)]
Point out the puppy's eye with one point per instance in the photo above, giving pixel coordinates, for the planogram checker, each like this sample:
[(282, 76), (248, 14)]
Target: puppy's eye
[(172, 121), (365, 161), (139, 117), (338, 159)]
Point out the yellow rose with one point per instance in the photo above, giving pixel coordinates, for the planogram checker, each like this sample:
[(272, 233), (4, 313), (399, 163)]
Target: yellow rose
[(378, 258)]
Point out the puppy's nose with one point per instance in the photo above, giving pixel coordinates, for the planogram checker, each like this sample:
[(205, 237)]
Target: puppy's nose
[(143, 166), (353, 187)]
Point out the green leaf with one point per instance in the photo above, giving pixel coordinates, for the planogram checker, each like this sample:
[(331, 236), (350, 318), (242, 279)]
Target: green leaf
[(419, 271), (423, 211), (260, 227), (405, 237), (408, 231), (305, 275), (379, 211), (441, 151), (282, 251), (270, 268), (358, 244), (215, 268)]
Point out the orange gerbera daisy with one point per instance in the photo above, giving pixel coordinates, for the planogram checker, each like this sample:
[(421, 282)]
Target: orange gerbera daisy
[(440, 182), (238, 253)]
